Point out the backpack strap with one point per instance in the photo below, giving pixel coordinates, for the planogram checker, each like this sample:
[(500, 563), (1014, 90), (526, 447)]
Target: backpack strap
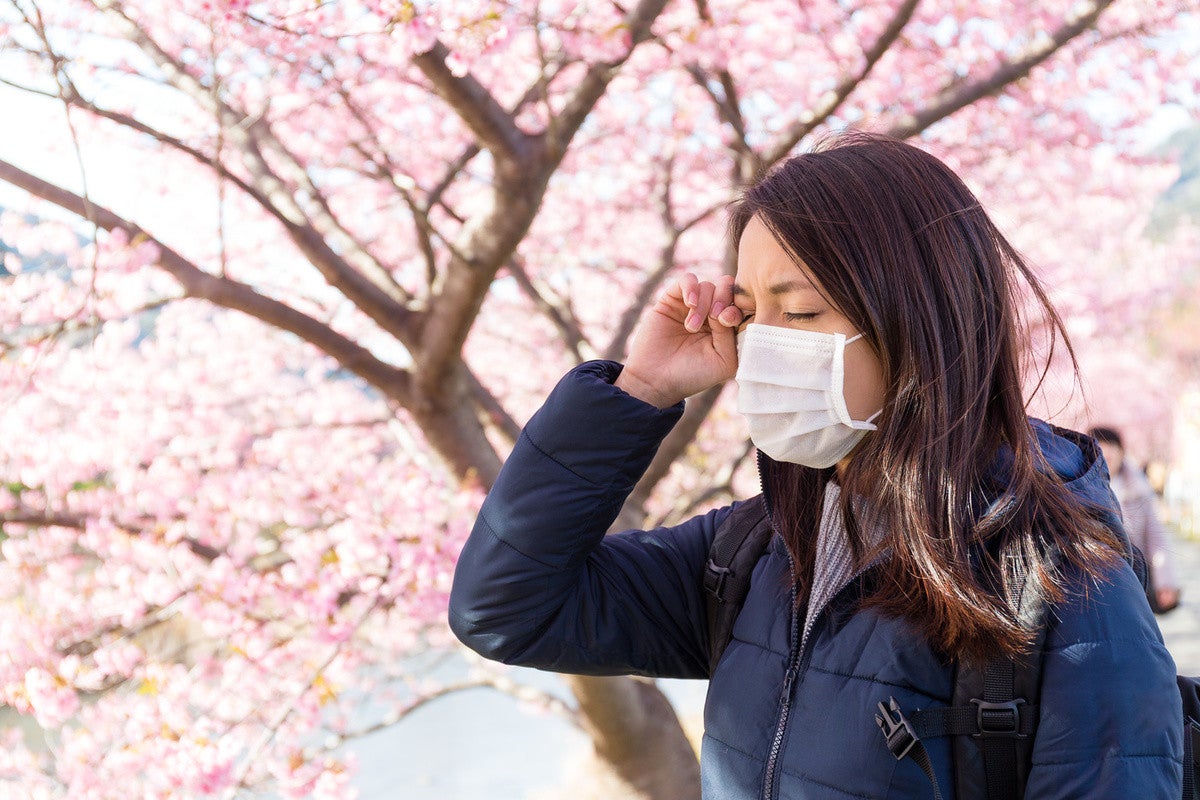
[(737, 546), (992, 714), (1189, 692), (903, 740), (1005, 693), (1191, 759)]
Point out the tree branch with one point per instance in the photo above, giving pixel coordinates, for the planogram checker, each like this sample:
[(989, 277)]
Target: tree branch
[(225, 292), (495, 413), (490, 238), (424, 225), (959, 95), (559, 313), (456, 167), (484, 244), (617, 346), (53, 519), (313, 246), (488, 120), (250, 134), (832, 100), (290, 707), (72, 96), (154, 615), (383, 162), (695, 413), (539, 88), (721, 484), (687, 225), (726, 102), (526, 694), (35, 334), (592, 86), (682, 435)]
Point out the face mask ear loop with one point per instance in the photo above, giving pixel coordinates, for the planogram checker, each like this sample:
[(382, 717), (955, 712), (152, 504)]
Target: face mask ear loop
[(852, 339)]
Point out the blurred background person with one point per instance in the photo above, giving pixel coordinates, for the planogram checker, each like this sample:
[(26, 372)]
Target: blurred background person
[(1139, 506)]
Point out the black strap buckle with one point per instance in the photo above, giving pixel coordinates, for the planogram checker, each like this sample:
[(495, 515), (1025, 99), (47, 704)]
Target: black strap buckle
[(714, 579), (898, 731), (998, 719)]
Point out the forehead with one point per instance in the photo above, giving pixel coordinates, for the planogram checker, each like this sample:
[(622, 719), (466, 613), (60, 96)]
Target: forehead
[(763, 265)]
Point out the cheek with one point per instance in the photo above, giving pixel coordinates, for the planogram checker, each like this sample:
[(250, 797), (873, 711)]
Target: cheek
[(864, 382)]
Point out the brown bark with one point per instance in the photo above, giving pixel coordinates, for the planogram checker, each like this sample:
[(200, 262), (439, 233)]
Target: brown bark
[(453, 423), (639, 743), (486, 243)]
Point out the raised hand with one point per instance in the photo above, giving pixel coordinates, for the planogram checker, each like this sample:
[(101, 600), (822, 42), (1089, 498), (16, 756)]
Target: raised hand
[(685, 343)]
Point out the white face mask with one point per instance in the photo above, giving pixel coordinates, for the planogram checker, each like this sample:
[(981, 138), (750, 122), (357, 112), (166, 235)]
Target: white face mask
[(790, 389)]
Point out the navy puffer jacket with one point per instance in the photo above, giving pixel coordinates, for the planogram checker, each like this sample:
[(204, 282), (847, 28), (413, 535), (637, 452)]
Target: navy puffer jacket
[(539, 584)]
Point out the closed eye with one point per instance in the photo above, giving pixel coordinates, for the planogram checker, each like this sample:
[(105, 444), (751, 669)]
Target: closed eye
[(800, 317)]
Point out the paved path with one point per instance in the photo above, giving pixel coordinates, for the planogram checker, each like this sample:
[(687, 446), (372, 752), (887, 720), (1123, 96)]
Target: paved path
[(1181, 627)]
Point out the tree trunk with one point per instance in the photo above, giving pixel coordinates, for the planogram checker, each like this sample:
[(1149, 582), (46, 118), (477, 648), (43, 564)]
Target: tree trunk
[(451, 423), (640, 745)]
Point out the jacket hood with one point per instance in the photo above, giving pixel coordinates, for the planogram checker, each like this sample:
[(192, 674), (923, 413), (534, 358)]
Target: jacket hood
[(1076, 459)]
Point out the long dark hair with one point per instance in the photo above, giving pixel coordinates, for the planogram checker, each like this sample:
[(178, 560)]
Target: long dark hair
[(902, 247)]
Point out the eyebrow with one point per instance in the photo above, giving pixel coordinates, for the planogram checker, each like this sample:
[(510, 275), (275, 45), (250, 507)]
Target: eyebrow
[(786, 287)]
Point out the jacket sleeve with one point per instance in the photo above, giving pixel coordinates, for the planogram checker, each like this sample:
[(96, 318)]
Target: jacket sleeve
[(539, 584), (1111, 719)]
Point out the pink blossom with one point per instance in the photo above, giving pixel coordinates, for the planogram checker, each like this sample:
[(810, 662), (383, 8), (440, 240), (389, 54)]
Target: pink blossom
[(235, 528), (51, 698)]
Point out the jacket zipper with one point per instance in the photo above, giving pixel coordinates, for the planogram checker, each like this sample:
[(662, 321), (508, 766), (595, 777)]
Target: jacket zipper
[(793, 653), (798, 656), (785, 702), (796, 663), (797, 667)]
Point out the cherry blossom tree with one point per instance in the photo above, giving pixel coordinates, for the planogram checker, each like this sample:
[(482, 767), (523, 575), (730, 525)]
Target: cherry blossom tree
[(287, 276)]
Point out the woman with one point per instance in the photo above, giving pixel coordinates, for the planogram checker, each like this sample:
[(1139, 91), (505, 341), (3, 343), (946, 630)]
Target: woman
[(1139, 512), (872, 331)]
